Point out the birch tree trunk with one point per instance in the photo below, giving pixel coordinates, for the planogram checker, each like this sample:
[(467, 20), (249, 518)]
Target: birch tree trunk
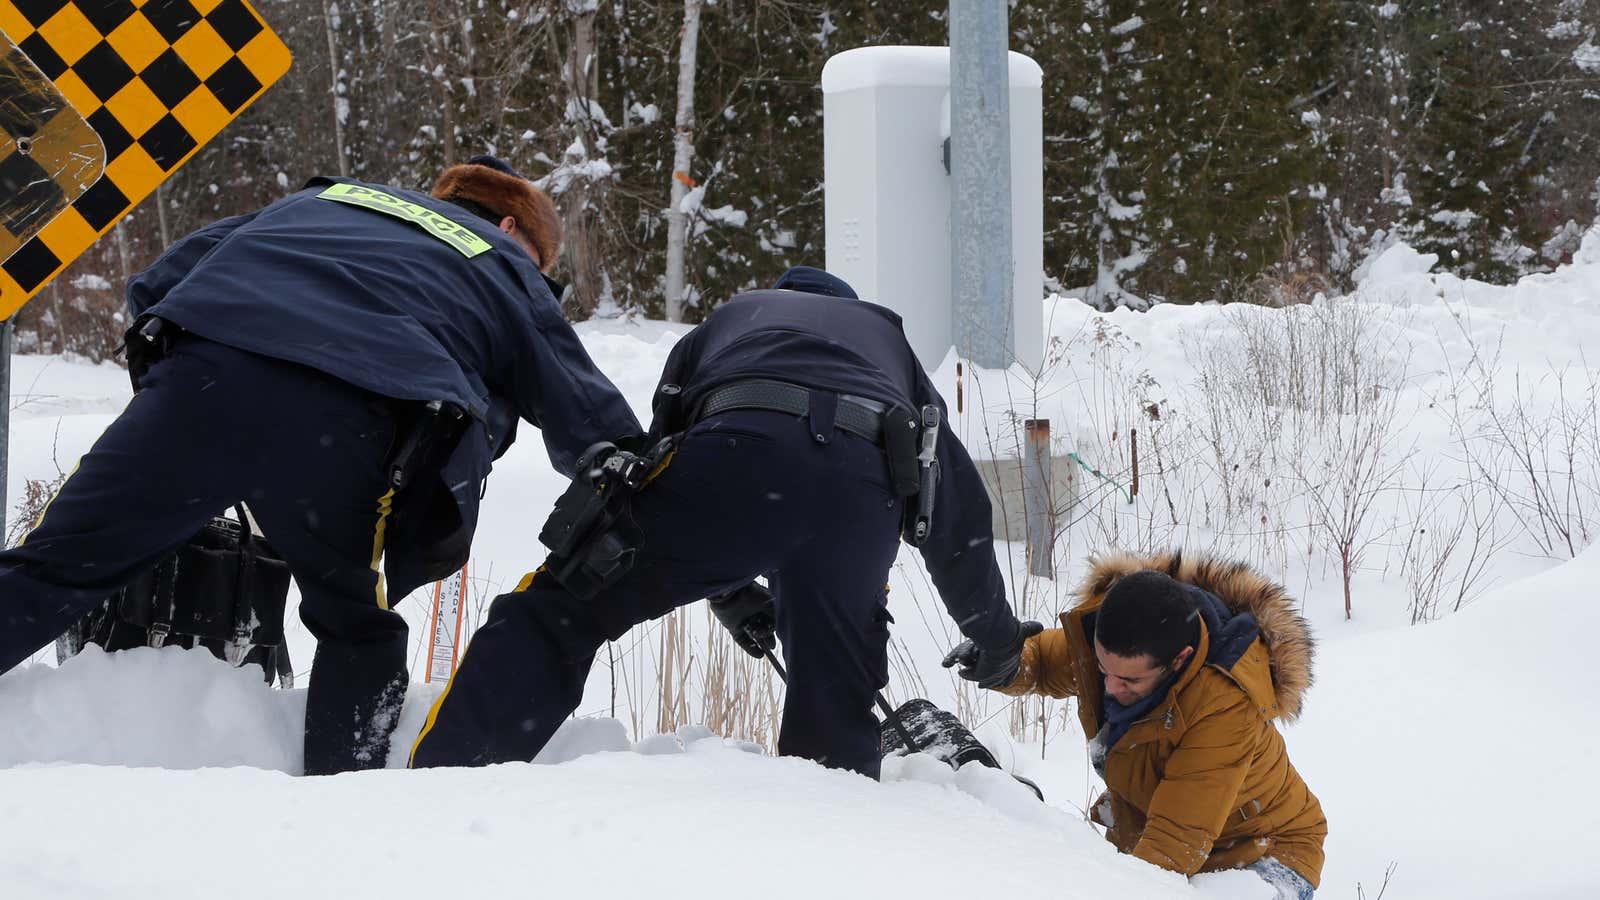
[(682, 159), (329, 15), (161, 215), (435, 51), (584, 201), (124, 256)]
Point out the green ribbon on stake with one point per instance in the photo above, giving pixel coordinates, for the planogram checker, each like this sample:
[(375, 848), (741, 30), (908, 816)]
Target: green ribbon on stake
[(1100, 475)]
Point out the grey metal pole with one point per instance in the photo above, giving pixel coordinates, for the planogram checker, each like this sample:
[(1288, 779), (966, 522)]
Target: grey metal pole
[(982, 265), (5, 419)]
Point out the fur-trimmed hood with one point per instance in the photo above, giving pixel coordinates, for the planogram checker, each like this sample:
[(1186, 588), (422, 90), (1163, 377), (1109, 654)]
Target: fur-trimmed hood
[(1288, 637), (505, 194)]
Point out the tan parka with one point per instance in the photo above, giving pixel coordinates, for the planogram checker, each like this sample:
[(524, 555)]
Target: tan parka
[(1203, 782)]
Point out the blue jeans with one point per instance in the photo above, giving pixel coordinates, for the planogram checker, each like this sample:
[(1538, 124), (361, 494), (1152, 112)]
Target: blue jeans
[(1291, 885)]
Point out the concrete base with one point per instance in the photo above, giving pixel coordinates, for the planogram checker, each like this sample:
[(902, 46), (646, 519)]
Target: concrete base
[(1003, 478)]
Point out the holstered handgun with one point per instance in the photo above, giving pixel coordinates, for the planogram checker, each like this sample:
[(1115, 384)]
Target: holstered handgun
[(918, 522), (592, 539)]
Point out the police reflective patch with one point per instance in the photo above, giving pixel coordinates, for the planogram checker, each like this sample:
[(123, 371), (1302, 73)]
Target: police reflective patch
[(462, 238)]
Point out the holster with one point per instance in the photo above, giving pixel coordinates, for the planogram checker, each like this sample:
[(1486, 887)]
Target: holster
[(150, 338), (591, 534), (902, 431), (426, 433), (919, 470)]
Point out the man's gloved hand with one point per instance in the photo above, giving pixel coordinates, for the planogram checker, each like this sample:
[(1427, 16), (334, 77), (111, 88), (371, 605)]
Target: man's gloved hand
[(993, 667), (748, 614)]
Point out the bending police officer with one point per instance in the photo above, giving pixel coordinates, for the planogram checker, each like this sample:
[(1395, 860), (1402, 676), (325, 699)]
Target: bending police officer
[(348, 361), (781, 403)]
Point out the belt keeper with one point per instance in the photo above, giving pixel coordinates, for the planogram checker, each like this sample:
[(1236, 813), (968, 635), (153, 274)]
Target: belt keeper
[(823, 409)]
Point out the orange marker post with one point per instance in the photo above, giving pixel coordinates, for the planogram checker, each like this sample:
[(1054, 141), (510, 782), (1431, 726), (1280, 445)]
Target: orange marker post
[(449, 599)]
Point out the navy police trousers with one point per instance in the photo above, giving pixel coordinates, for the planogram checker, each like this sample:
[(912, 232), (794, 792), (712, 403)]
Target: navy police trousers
[(212, 425), (748, 493)]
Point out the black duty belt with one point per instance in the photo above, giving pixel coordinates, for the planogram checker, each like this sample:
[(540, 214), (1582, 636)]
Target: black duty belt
[(857, 415)]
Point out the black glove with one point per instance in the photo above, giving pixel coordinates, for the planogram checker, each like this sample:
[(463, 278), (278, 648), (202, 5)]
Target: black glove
[(993, 667), (748, 614), (606, 466), (637, 444)]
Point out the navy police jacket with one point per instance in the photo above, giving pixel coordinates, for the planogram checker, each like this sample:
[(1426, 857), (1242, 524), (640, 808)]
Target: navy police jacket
[(410, 298), (858, 348)]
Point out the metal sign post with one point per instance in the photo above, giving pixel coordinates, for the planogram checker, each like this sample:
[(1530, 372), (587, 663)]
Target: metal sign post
[(6, 327), (980, 170)]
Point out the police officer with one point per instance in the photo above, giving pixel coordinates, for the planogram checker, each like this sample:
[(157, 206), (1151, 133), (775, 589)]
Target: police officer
[(347, 361), (782, 402)]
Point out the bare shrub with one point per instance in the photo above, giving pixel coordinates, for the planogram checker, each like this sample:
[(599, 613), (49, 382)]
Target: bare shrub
[(904, 671), (1295, 288), (695, 680), (1454, 532), (640, 675), (36, 495), (740, 695), (672, 673), (1550, 457), (1537, 449), (1297, 408), (1128, 441), (1344, 482), (1388, 873)]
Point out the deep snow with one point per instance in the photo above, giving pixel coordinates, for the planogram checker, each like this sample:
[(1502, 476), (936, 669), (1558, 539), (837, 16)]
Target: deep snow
[(1457, 750)]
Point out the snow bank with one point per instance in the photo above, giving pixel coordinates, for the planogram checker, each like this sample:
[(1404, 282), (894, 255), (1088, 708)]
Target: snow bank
[(1456, 750), (149, 707), (708, 822), (1460, 750), (678, 815)]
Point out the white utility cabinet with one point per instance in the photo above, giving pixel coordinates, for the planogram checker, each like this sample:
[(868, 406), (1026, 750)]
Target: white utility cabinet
[(886, 117)]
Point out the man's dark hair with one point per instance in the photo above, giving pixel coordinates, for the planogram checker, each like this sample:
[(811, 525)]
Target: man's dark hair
[(1147, 614)]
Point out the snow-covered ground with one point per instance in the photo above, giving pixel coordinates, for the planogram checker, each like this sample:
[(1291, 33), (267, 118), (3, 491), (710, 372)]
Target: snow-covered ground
[(1456, 750)]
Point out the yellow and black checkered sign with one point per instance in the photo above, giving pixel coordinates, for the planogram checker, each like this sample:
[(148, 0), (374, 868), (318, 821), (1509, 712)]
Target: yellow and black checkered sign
[(48, 154), (155, 79)]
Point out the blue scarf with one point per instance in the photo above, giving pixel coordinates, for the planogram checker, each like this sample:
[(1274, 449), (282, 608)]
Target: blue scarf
[(1119, 718)]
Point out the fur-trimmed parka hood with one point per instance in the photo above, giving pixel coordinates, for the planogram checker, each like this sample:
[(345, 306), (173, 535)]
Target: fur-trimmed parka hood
[(1287, 635), (506, 194)]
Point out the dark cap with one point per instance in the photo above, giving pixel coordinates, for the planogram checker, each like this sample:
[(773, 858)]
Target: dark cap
[(812, 280), (496, 163)]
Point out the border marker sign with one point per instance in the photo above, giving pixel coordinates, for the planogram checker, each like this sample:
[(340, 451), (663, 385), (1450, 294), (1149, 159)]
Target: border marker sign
[(444, 638), (49, 156), (154, 80)]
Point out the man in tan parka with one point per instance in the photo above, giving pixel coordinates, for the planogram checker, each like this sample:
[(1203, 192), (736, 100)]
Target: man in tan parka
[(1180, 665)]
